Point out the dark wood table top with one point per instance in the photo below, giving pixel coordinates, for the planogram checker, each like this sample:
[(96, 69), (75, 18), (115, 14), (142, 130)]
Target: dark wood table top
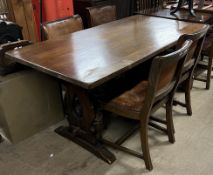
[(90, 57), (202, 16)]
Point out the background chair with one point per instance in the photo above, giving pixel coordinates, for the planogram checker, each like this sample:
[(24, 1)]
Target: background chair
[(101, 14), (62, 27), (139, 102), (9, 66), (206, 64), (146, 6), (191, 62)]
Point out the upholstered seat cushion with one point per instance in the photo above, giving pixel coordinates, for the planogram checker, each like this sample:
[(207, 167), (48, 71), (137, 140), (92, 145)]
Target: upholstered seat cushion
[(130, 102)]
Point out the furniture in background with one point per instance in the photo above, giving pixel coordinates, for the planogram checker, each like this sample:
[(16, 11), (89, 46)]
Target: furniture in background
[(81, 5), (8, 66), (148, 5), (201, 4), (204, 65), (62, 27), (202, 16), (3, 10), (190, 7), (116, 48), (21, 12), (51, 10), (101, 14), (146, 97), (123, 8)]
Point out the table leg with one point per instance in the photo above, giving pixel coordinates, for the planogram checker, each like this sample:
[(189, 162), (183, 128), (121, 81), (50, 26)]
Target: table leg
[(85, 124)]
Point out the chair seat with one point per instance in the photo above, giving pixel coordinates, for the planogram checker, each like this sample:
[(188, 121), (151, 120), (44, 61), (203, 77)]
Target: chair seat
[(129, 103)]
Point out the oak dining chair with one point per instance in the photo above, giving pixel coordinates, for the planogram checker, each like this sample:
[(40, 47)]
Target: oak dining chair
[(60, 27), (206, 64), (141, 101), (192, 59), (98, 15)]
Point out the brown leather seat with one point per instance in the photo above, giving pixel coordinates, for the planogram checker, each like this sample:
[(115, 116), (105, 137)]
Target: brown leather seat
[(101, 14), (61, 27), (149, 95), (132, 100)]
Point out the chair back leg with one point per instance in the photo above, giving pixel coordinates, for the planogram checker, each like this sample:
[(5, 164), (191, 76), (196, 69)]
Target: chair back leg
[(169, 121)]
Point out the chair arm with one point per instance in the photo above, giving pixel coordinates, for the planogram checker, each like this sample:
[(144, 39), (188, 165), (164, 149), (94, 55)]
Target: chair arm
[(9, 46)]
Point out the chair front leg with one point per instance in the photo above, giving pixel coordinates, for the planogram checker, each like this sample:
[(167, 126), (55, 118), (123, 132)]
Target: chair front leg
[(145, 145)]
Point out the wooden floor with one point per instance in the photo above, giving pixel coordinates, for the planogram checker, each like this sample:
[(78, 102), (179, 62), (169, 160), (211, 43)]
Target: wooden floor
[(46, 153)]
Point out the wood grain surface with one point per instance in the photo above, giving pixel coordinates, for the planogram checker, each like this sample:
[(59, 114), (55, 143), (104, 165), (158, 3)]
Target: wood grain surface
[(91, 57)]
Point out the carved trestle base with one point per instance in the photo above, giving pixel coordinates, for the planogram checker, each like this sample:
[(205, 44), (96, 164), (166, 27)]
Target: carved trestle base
[(87, 141), (85, 123)]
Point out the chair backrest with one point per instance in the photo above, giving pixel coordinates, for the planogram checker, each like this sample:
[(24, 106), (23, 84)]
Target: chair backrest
[(195, 49), (101, 14), (164, 77), (61, 27), (149, 5)]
